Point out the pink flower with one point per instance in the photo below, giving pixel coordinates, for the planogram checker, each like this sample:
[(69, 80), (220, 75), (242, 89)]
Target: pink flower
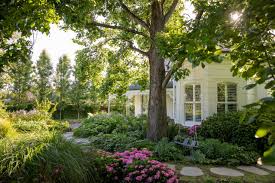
[(109, 169), (172, 180), (127, 179), (157, 176), (149, 179), (139, 178)]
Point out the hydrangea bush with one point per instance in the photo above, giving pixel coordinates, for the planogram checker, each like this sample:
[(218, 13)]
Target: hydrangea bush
[(136, 166)]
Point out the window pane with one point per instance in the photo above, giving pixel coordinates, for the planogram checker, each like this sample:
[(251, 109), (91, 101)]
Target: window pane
[(198, 112), (198, 93), (189, 93), (220, 108), (232, 107), (221, 92), (188, 112), (232, 92)]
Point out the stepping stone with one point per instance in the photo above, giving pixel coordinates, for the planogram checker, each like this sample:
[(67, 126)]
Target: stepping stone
[(171, 166), (82, 141), (252, 169), (75, 125), (191, 171), (268, 167), (68, 135), (226, 172)]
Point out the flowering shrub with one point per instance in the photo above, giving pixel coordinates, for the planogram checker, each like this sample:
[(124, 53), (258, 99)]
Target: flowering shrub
[(136, 166), (193, 130)]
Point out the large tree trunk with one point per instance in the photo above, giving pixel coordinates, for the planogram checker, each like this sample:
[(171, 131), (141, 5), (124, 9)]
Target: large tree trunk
[(157, 100)]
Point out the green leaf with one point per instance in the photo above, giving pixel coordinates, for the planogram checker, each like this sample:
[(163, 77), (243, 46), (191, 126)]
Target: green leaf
[(270, 84), (269, 155), (261, 132), (250, 86), (218, 52)]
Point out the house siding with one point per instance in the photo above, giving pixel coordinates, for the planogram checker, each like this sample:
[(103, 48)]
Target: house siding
[(208, 79)]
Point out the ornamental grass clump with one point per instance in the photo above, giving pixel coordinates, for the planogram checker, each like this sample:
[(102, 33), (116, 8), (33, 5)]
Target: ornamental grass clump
[(136, 166)]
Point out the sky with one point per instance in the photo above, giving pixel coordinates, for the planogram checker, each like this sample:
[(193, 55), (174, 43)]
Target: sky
[(57, 43)]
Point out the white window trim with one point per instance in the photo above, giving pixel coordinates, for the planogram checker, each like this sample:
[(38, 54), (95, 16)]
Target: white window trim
[(193, 102)]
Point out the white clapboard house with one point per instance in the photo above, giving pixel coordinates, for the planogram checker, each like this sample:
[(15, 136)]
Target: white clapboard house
[(204, 92)]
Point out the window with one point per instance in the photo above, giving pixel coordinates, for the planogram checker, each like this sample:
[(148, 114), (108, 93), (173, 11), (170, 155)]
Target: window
[(227, 97), (192, 104)]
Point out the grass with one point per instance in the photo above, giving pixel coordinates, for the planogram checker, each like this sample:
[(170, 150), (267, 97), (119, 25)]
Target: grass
[(209, 177)]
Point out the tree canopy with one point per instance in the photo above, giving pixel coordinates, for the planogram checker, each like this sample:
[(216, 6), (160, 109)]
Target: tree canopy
[(18, 20)]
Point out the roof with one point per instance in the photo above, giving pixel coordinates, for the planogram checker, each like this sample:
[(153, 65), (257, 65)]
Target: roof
[(137, 87)]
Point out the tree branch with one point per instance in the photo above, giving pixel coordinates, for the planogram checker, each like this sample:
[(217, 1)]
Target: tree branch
[(133, 16), (133, 31), (170, 11), (162, 6), (198, 18), (131, 45)]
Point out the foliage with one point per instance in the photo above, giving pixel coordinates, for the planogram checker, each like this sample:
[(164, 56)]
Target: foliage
[(6, 129), (13, 15), (3, 113), (43, 76), (110, 123), (135, 166), (173, 129), (165, 151), (62, 82), (263, 113), (225, 153), (44, 158), (112, 142), (140, 144), (227, 128), (18, 79)]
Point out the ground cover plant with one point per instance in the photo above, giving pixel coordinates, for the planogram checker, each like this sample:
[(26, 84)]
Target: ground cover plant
[(212, 151), (117, 132)]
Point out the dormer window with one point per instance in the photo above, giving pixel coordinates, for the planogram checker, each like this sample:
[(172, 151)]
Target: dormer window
[(227, 97)]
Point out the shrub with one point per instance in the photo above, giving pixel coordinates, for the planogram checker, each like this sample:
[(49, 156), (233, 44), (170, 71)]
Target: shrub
[(140, 144), (111, 123), (135, 166), (199, 157), (165, 151), (44, 158), (225, 153), (227, 128), (112, 142)]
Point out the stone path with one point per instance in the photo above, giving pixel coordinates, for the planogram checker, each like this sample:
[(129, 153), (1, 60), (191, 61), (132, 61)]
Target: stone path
[(223, 171), (69, 135)]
